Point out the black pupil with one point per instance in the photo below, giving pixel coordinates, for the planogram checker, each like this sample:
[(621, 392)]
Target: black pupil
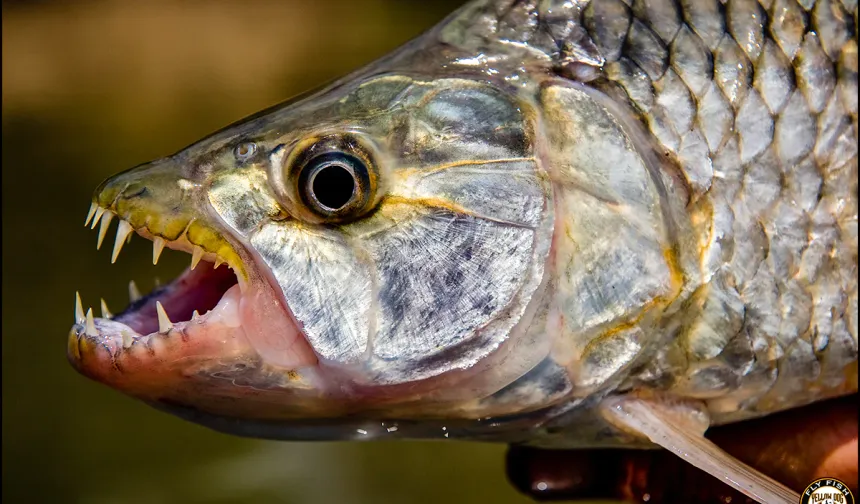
[(333, 186)]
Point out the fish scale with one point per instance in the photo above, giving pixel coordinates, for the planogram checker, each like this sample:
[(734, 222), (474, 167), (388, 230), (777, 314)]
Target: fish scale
[(755, 102)]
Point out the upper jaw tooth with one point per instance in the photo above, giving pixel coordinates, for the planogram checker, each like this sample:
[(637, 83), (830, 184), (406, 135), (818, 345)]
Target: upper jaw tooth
[(99, 212), (157, 248), (123, 231), (90, 214), (100, 215), (108, 216), (196, 255)]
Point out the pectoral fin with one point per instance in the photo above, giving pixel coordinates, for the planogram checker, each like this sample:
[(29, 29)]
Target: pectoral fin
[(679, 428)]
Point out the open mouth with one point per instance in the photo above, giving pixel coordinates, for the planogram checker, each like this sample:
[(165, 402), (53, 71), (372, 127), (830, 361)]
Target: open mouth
[(208, 289)]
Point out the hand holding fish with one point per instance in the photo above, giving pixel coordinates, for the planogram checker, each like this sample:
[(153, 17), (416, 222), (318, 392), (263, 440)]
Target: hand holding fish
[(793, 447)]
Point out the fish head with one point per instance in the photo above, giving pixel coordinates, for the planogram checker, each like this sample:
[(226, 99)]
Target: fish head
[(386, 241)]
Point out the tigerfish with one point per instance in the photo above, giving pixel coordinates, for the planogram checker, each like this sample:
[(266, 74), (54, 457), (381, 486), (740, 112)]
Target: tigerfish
[(566, 223)]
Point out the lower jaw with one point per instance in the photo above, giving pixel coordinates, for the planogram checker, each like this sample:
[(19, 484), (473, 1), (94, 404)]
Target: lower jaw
[(238, 326)]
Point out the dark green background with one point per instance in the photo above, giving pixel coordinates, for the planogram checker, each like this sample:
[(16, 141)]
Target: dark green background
[(91, 88)]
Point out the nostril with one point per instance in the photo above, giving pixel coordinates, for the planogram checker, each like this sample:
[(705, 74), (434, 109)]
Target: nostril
[(136, 194)]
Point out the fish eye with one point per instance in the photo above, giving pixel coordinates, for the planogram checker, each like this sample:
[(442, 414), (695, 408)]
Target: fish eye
[(325, 179), (245, 150), (334, 184)]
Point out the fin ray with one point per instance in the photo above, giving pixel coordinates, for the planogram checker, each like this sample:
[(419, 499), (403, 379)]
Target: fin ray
[(660, 423)]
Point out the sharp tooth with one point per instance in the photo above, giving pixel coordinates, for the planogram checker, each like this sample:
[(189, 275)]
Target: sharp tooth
[(196, 255), (157, 282), (133, 291), (195, 315), (127, 339), (91, 325), (164, 324), (99, 212), (79, 309), (103, 228), (105, 312), (90, 214), (218, 262), (157, 248), (122, 232)]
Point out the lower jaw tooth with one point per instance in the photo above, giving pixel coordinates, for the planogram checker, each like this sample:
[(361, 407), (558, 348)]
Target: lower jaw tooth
[(164, 324), (133, 291), (105, 312), (79, 309), (91, 325), (127, 339)]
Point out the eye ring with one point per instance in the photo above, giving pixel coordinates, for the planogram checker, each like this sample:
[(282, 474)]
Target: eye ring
[(334, 184), (245, 150), (325, 179)]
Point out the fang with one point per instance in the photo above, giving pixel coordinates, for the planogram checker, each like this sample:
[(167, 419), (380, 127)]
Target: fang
[(164, 323), (91, 325), (196, 256), (123, 230), (79, 309), (157, 248)]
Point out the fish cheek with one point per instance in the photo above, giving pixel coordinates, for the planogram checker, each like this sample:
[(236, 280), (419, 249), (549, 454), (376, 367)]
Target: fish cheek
[(325, 284), (443, 280)]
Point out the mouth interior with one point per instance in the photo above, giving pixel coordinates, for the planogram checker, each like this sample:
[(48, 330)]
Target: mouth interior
[(199, 289)]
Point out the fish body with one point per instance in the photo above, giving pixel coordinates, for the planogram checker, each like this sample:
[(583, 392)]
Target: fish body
[(527, 213)]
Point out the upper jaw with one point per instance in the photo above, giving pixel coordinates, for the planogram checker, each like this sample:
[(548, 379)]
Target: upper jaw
[(158, 203), (152, 348)]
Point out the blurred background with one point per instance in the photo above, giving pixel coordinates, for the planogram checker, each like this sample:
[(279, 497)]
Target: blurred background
[(94, 87)]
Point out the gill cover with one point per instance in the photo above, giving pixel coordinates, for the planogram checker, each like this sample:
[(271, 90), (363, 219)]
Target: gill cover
[(445, 243)]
